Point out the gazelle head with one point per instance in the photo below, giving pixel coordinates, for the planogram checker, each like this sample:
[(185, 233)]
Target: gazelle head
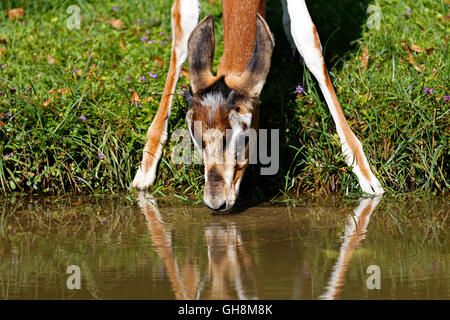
[(223, 111)]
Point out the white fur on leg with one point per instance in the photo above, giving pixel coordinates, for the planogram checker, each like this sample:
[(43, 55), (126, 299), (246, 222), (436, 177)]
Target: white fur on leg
[(372, 186), (303, 32), (144, 179), (189, 12)]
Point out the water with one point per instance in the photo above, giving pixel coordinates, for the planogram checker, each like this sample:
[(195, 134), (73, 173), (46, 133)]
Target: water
[(148, 249)]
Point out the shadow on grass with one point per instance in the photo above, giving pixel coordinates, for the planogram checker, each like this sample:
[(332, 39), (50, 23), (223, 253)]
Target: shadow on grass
[(339, 24)]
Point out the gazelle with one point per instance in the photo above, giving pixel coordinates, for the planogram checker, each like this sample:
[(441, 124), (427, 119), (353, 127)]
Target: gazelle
[(228, 100)]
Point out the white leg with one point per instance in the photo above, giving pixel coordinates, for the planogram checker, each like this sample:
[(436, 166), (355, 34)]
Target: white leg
[(308, 44), (185, 14)]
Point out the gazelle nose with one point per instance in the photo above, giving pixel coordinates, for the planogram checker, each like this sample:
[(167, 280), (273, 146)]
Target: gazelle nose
[(217, 207)]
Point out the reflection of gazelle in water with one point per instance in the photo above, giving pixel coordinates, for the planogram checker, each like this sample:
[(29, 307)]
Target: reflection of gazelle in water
[(228, 261), (354, 233)]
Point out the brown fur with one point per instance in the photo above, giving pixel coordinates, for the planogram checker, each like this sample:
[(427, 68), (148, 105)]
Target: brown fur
[(239, 33)]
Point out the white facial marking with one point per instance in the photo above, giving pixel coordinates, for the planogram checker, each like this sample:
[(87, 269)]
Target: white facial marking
[(214, 100)]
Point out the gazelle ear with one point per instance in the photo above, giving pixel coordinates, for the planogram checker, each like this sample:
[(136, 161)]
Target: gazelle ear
[(201, 53), (255, 73)]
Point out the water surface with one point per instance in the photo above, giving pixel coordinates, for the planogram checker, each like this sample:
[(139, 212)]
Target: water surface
[(145, 248)]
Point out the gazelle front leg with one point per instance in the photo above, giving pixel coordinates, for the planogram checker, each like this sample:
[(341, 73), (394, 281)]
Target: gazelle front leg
[(308, 44), (185, 14)]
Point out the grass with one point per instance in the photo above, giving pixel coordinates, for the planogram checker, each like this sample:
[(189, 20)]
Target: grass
[(68, 122)]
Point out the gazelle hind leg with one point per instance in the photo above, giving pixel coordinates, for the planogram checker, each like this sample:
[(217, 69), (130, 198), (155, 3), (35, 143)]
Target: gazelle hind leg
[(185, 14), (308, 44)]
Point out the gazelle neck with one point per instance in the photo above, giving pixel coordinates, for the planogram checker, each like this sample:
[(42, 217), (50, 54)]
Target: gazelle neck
[(239, 32)]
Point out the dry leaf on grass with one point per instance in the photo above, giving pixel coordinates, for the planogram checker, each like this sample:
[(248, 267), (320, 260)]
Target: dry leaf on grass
[(50, 59), (46, 103), (410, 57), (416, 48), (116, 23), (122, 45), (159, 61), (16, 13), (2, 50), (365, 58), (60, 90), (135, 97)]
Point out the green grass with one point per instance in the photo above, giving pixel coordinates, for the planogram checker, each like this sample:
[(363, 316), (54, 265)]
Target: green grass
[(404, 130)]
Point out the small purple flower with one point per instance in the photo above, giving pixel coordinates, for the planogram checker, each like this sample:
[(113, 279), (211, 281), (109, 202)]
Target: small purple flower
[(82, 118), (13, 56), (161, 33), (101, 156), (104, 220), (74, 70), (115, 8), (151, 42), (421, 75), (124, 61), (407, 28), (19, 137), (8, 115), (409, 11), (299, 89), (3, 66), (142, 78), (140, 106), (446, 98), (147, 31), (428, 90), (153, 75), (144, 39), (136, 103)]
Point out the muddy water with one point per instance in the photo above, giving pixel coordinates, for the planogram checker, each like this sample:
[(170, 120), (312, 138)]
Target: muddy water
[(153, 249)]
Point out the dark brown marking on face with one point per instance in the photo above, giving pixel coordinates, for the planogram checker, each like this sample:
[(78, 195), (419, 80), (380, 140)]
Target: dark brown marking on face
[(214, 177), (239, 170)]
